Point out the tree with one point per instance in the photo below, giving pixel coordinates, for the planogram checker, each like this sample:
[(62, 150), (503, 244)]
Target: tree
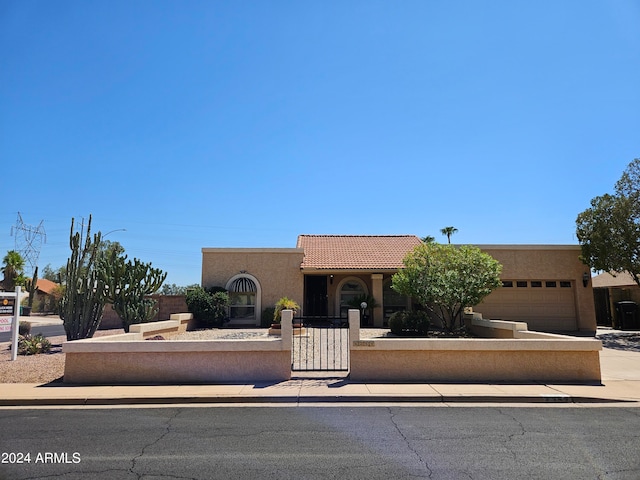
[(609, 231), (57, 276), (127, 286), (428, 239), (173, 289), (445, 279), (83, 301), (448, 231), (13, 270)]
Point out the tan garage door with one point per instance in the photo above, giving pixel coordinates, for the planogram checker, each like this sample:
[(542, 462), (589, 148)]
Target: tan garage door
[(544, 305)]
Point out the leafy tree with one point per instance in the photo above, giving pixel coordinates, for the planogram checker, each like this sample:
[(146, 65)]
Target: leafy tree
[(609, 231), (128, 283), (448, 231), (57, 276), (445, 279), (13, 270), (173, 289)]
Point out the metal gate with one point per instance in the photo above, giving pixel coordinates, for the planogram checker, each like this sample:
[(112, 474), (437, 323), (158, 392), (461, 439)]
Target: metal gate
[(320, 344)]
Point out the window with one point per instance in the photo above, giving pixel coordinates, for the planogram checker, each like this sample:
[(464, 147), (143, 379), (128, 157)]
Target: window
[(536, 284), (244, 298), (550, 284), (521, 284), (507, 283), (565, 284)]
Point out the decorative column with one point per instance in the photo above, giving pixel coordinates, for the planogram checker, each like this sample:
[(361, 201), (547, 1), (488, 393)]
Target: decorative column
[(376, 292)]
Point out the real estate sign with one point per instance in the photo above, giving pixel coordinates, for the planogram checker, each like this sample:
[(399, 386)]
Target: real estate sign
[(10, 317), (7, 306)]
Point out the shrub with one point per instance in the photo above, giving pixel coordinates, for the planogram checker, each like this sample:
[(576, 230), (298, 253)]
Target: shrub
[(413, 324), (28, 345), (209, 309), (267, 317), (284, 304), (24, 328)]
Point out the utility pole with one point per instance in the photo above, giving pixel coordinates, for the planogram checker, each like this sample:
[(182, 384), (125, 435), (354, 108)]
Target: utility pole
[(28, 241)]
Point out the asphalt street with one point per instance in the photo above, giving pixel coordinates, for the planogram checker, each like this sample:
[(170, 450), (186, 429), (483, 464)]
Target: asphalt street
[(46, 330), (381, 442)]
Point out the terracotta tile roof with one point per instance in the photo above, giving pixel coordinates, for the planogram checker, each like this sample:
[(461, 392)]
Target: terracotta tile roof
[(608, 280), (46, 286), (355, 252)]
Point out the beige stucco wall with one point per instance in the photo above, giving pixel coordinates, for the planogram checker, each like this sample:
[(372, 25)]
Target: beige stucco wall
[(470, 366), (276, 269), (545, 263)]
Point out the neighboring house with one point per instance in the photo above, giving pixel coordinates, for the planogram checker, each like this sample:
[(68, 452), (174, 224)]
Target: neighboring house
[(544, 285), (608, 290), (44, 300)]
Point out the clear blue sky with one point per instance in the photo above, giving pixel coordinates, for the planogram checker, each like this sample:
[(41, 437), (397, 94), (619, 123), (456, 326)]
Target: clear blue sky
[(198, 124)]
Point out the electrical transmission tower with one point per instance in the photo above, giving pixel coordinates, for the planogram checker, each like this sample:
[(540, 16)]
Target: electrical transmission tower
[(29, 241)]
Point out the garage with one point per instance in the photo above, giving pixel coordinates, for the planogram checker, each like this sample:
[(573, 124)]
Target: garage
[(545, 305)]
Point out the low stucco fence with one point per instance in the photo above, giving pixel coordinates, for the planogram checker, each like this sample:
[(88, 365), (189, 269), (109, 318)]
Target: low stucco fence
[(511, 353), (130, 359)]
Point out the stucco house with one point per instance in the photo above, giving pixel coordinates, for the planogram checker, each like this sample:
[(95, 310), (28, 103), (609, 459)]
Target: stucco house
[(545, 285)]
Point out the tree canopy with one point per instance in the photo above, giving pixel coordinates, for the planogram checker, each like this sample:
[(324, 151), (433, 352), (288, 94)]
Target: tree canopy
[(445, 279), (609, 231), (13, 270)]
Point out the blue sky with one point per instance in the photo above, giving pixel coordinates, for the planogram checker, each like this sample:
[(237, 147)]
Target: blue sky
[(198, 124)]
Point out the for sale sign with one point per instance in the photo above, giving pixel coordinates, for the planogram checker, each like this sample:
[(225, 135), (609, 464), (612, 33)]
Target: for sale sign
[(7, 306)]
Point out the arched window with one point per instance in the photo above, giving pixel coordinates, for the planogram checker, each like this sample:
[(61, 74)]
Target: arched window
[(349, 289), (244, 299)]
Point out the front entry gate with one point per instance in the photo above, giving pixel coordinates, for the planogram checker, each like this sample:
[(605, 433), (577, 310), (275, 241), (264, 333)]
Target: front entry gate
[(320, 344)]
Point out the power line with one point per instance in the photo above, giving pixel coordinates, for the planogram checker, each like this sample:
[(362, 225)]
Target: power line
[(28, 241)]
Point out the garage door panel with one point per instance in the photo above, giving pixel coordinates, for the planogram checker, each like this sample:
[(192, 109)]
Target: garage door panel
[(542, 308)]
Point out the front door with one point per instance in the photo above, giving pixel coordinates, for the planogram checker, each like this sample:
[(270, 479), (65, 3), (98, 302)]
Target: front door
[(315, 296)]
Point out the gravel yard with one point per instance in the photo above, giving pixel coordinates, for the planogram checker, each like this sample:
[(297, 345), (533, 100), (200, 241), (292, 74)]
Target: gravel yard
[(41, 368)]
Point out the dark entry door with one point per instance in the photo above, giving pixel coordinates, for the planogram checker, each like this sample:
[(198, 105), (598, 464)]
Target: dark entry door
[(315, 296)]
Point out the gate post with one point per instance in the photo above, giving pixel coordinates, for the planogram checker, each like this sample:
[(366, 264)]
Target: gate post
[(354, 325), (286, 328)]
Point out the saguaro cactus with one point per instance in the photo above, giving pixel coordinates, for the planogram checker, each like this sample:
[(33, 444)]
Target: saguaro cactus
[(31, 286), (127, 285), (84, 298)]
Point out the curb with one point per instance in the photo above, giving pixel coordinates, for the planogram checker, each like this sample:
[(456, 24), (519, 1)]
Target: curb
[(537, 399)]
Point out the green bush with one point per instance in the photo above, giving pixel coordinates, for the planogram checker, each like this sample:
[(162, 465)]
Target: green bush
[(209, 309), (284, 304), (28, 345), (24, 328), (267, 317), (409, 324)]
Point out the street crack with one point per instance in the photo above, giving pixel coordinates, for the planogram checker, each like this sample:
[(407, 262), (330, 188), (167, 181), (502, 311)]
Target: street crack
[(408, 443)]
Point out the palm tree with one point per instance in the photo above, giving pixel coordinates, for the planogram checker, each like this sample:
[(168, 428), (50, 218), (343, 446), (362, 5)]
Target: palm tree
[(428, 239), (13, 270), (448, 231)]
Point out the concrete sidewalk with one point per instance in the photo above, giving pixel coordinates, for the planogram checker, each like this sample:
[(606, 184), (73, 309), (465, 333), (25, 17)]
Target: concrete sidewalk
[(620, 385)]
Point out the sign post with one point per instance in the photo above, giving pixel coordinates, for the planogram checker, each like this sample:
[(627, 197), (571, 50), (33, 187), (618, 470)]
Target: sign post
[(10, 317)]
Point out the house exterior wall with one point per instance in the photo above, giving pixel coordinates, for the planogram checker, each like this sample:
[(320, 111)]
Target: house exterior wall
[(276, 269), (559, 263), (549, 309)]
